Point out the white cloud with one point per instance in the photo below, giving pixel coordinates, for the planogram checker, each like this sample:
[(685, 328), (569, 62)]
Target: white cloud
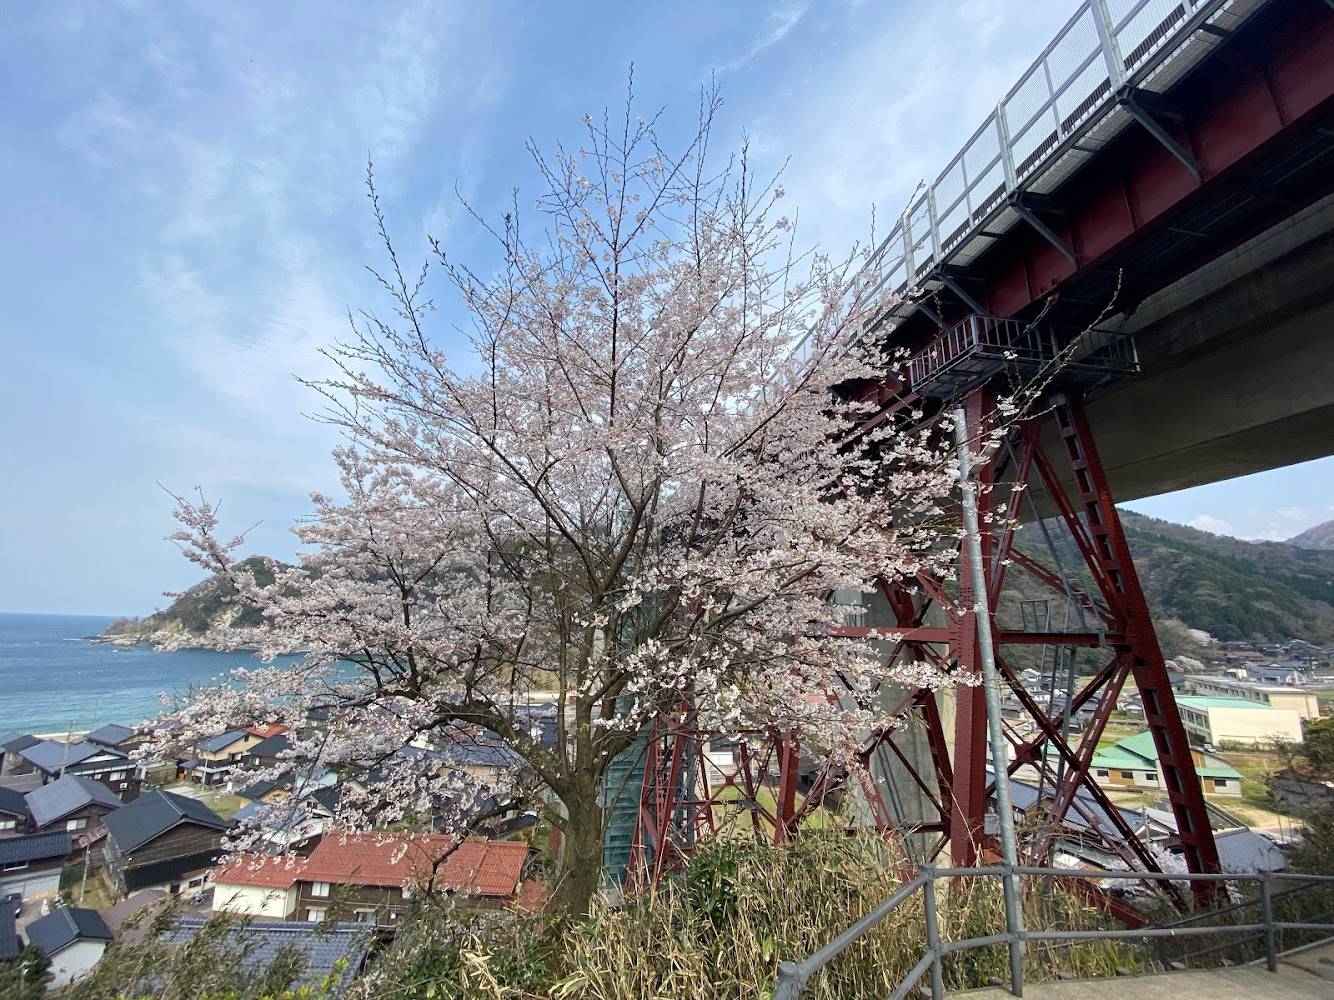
[(778, 24), (867, 121), (1282, 523), (1211, 524), (246, 162)]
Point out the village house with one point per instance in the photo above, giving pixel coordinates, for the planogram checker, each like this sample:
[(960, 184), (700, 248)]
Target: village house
[(268, 752), (162, 840), (217, 757), (71, 803), (30, 865), (362, 877), (11, 745), (255, 885), (53, 759), (1132, 763), (116, 736), (73, 940), (13, 813), (285, 819)]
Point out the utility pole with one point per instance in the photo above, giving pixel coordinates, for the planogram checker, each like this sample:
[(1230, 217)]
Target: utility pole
[(1014, 921)]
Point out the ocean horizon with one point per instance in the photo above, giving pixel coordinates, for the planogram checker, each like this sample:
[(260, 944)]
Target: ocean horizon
[(53, 679)]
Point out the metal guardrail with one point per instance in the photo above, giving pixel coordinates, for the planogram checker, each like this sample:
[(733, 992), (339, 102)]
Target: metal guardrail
[(978, 347), (793, 976), (1073, 101)]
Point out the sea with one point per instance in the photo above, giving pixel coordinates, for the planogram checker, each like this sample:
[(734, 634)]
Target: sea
[(53, 679)]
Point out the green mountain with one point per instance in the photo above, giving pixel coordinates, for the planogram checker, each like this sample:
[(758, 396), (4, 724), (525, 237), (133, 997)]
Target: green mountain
[(1235, 590), (193, 613)]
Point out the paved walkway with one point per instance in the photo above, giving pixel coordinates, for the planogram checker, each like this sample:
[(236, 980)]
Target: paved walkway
[(1306, 976)]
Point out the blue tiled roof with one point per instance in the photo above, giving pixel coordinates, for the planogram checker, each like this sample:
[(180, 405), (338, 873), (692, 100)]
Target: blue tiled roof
[(321, 946), (65, 925), (271, 747), (216, 743), (67, 794), (1245, 852), (14, 742), (52, 755), (110, 734), (9, 936), (11, 802), (35, 847), (152, 814)]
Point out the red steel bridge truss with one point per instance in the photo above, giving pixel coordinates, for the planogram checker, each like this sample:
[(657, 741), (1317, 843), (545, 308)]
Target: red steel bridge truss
[(1149, 138), (1102, 642)]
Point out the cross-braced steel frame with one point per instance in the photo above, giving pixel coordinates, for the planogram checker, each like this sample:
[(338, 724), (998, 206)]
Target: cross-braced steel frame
[(1047, 470)]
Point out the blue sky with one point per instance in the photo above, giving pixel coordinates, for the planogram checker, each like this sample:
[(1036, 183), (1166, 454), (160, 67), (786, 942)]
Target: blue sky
[(185, 220)]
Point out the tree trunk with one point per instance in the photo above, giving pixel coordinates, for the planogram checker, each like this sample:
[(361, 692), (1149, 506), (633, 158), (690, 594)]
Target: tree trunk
[(581, 857)]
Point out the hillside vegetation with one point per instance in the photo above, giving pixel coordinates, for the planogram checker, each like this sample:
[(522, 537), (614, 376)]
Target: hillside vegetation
[(1235, 590), (195, 612)]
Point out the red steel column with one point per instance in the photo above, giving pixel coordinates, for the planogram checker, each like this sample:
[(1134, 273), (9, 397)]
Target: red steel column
[(1141, 643)]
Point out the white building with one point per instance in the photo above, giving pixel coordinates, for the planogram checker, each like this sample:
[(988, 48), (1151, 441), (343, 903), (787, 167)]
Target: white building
[(73, 940), (1303, 702), (1218, 721), (258, 886)]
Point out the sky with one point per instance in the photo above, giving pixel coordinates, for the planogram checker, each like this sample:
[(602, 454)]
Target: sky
[(186, 224)]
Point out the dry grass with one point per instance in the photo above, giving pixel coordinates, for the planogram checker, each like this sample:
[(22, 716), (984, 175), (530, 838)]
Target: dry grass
[(721, 928), (721, 931)]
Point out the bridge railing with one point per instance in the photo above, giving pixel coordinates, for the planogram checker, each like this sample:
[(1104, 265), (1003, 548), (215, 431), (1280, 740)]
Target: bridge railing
[(1061, 112), (1220, 923)]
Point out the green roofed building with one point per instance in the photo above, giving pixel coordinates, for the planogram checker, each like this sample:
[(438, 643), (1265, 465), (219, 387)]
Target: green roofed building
[(1132, 763)]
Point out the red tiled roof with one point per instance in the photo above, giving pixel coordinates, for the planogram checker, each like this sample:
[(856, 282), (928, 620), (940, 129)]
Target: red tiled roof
[(263, 871), (531, 895), (486, 867), (489, 868), (264, 732)]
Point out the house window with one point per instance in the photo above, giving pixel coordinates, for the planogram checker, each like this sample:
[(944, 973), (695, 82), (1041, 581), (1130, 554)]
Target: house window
[(1220, 782), (316, 913), (320, 889), (1128, 774), (1102, 774), (365, 916), (119, 775), (77, 824), (13, 866), (8, 824)]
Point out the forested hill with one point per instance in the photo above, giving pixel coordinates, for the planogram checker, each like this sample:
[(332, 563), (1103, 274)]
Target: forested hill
[(1257, 591), (1235, 590), (191, 615), (1319, 537)]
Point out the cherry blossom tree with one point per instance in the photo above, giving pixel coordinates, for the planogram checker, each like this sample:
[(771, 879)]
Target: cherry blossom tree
[(624, 477)]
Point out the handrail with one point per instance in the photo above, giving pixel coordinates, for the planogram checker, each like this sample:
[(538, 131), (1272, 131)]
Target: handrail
[(793, 976), (1064, 101)]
